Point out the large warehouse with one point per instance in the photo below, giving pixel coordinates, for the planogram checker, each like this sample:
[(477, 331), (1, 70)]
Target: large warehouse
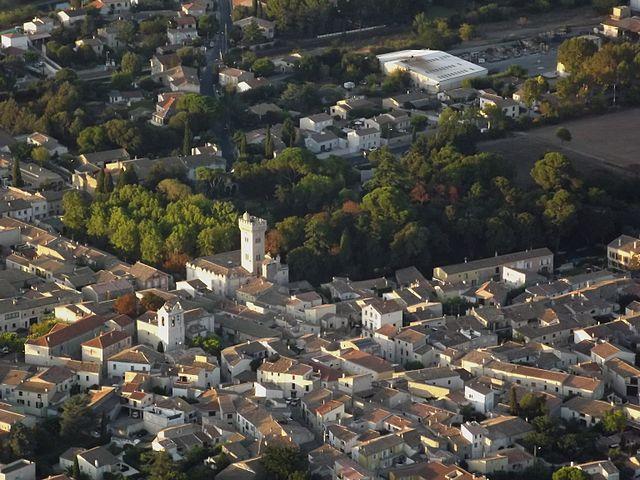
[(432, 70)]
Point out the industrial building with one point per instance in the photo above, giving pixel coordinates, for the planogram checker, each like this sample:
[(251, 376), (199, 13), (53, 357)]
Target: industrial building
[(432, 70)]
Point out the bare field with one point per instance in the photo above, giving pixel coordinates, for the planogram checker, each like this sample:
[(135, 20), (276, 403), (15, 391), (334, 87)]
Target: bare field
[(602, 144)]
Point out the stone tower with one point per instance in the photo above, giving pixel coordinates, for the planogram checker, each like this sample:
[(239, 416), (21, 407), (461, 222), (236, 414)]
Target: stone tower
[(252, 232)]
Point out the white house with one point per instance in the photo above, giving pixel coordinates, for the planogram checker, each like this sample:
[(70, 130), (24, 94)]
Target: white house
[(509, 107), (135, 359), (15, 40), (321, 142), (38, 25), (481, 396), (19, 470), (97, 461), (377, 313), (316, 123), (363, 139)]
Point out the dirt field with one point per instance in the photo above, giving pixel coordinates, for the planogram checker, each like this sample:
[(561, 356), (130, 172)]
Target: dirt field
[(601, 144)]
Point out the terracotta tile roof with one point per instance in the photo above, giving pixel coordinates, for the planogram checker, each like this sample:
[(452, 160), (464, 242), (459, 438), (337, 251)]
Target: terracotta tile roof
[(106, 339), (62, 334), (605, 350), (327, 407)]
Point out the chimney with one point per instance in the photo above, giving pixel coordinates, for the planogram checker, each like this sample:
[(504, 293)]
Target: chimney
[(95, 463)]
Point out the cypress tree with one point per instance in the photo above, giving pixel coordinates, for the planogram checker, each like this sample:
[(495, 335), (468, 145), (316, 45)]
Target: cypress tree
[(255, 8), (100, 182), (17, 174), (288, 132), (75, 470), (108, 183), (121, 179), (186, 141), (513, 401), (268, 144)]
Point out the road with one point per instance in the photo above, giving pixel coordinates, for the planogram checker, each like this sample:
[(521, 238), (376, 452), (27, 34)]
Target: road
[(216, 49)]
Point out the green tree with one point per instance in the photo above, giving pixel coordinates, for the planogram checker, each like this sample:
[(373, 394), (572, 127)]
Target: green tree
[(217, 239), (174, 189), (76, 211), (22, 441), (108, 182), (128, 176), (614, 421), (124, 235), (16, 174), (563, 134), (76, 419), (553, 171), (289, 132), (263, 67), (413, 365), (100, 181), (92, 139), (561, 213), (268, 144), (151, 244), (514, 407), (533, 89), (163, 468), (75, 470), (532, 406), (570, 473), (121, 80), (131, 64), (186, 140), (574, 52), (208, 25), (281, 462), (40, 155), (466, 31)]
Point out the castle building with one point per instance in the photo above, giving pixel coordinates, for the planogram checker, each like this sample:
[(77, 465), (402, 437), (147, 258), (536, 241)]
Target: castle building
[(224, 273)]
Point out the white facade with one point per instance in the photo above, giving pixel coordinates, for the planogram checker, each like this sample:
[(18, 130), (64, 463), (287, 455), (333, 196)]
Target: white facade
[(168, 328), (374, 317), (316, 123), (15, 40), (363, 139)]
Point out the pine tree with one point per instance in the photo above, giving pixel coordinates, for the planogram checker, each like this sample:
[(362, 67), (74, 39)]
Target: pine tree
[(17, 174), (100, 182), (255, 8), (108, 183), (268, 144), (186, 141)]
